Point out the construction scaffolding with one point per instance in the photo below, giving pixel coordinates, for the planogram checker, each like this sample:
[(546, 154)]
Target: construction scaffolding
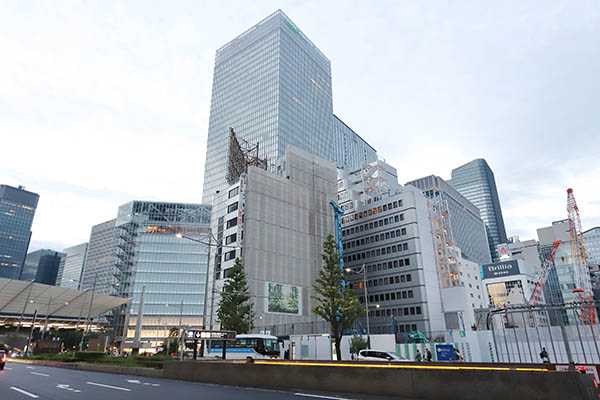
[(241, 155), (445, 251)]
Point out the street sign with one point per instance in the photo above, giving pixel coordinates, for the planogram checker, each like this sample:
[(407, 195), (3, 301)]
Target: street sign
[(209, 335), (445, 352)]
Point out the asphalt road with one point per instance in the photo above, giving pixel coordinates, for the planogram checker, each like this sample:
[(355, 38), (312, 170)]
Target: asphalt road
[(26, 382)]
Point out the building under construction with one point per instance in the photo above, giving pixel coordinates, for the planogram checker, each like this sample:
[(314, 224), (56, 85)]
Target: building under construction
[(241, 155)]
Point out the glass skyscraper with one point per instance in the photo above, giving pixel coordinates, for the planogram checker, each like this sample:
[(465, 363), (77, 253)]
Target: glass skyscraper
[(475, 181), (17, 209), (70, 270), (100, 259), (42, 265), (272, 86), (351, 151), (173, 269)]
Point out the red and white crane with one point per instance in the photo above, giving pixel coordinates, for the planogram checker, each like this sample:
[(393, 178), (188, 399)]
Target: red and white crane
[(536, 295), (583, 283)]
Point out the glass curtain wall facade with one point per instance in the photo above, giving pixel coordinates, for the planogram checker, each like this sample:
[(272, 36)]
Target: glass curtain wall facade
[(351, 151), (173, 269), (100, 260), (42, 265), (70, 270), (591, 239), (476, 182), (467, 228), (273, 87), (17, 209)]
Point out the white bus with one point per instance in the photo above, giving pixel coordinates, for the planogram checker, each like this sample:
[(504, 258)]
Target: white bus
[(247, 346)]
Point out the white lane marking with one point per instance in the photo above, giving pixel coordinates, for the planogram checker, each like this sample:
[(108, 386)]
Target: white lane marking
[(66, 387), (146, 383), (133, 381), (320, 397), (10, 369), (31, 367), (35, 396), (39, 373), (109, 386), (155, 384)]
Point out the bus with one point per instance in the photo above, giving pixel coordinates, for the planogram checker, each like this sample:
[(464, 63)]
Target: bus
[(247, 346)]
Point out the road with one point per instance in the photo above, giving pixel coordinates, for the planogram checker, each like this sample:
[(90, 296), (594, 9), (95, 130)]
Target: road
[(26, 382)]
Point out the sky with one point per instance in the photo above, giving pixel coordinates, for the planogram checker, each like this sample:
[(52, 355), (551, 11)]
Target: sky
[(103, 102)]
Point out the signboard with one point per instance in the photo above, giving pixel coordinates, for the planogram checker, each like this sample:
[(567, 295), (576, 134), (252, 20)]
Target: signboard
[(208, 335), (503, 251), (444, 352), (282, 298), (500, 269)]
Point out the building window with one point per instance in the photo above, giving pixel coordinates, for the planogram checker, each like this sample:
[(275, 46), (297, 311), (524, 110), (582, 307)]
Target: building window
[(231, 238), (231, 223), (410, 294), (403, 231), (234, 191), (230, 255), (232, 207), (406, 261), (401, 217), (408, 278), (405, 246)]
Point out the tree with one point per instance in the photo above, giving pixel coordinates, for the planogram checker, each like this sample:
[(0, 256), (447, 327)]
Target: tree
[(337, 303), (170, 345), (235, 309), (357, 343)]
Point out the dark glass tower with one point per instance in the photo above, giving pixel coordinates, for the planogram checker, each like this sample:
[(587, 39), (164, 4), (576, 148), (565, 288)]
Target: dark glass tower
[(17, 209), (475, 181), (42, 265), (273, 86)]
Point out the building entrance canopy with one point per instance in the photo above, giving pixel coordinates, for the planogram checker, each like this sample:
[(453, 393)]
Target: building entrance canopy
[(56, 302)]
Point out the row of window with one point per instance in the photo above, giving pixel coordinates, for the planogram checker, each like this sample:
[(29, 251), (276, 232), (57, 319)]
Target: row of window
[(396, 312), (389, 281), (372, 225), (375, 238), (376, 252), (391, 296), (372, 211)]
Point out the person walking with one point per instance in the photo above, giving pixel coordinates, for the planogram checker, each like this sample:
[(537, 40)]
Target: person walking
[(544, 356), (419, 357), (428, 355), (457, 355)]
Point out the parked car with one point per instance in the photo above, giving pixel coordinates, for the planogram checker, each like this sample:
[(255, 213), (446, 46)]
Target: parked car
[(379, 355), (3, 357)]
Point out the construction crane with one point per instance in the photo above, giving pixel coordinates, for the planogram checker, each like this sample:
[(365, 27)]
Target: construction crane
[(583, 284), (536, 295)]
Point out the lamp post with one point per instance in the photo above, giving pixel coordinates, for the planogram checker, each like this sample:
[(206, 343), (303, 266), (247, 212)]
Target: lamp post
[(363, 271), (87, 324)]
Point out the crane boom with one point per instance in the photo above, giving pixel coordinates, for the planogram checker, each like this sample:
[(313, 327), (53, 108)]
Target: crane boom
[(536, 295)]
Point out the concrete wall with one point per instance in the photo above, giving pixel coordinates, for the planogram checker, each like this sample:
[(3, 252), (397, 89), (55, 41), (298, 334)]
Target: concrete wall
[(411, 383)]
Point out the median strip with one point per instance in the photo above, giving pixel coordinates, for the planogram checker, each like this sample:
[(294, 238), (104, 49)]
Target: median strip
[(109, 386), (401, 366)]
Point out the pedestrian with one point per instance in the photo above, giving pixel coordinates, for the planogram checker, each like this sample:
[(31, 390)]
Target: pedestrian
[(457, 355), (544, 356), (286, 354), (419, 357), (428, 355)]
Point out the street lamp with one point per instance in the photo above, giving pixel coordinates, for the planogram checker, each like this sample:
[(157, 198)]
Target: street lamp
[(363, 271), (87, 323)]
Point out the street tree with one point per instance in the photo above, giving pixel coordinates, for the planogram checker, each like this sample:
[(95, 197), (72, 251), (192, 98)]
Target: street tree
[(235, 310), (357, 343), (336, 302)]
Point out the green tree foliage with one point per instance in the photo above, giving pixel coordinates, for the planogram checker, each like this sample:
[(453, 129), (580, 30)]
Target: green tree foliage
[(235, 309), (357, 343), (170, 345), (336, 303)]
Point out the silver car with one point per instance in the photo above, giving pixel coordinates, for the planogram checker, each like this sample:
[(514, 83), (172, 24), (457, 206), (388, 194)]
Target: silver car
[(379, 355)]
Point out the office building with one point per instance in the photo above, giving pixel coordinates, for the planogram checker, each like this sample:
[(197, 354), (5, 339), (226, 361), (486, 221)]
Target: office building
[(17, 209), (71, 266), (273, 87), (465, 227), (351, 151), (591, 239), (100, 259), (387, 229), (171, 268), (42, 266), (276, 223), (475, 181)]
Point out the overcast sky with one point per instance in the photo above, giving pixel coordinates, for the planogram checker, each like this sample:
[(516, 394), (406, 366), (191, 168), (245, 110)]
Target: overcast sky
[(103, 102)]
